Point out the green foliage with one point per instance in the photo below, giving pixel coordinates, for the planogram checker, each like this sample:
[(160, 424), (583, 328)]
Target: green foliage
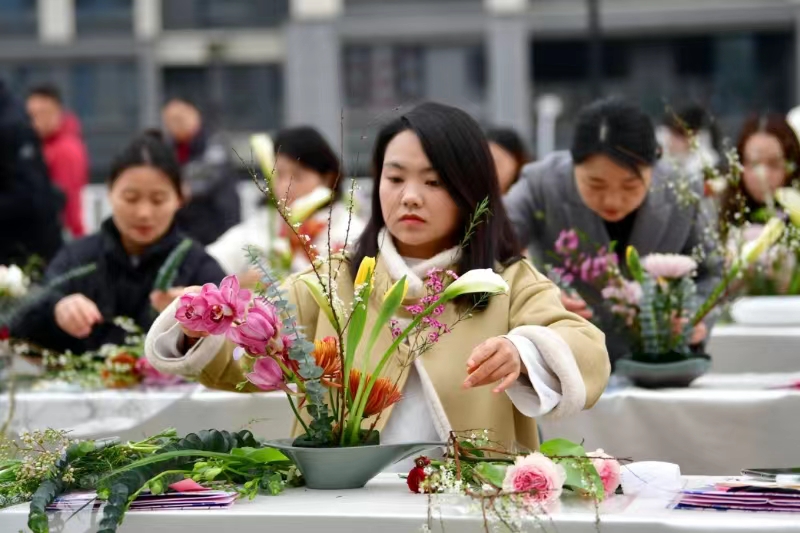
[(169, 270), (491, 472), (581, 474)]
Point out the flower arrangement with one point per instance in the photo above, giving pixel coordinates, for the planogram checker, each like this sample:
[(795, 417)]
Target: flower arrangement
[(513, 486), (112, 366), (341, 400)]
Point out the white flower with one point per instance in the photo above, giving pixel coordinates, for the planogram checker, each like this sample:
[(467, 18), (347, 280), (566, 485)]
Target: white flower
[(789, 198), (669, 266), (476, 281), (307, 205), (13, 281), (769, 236)]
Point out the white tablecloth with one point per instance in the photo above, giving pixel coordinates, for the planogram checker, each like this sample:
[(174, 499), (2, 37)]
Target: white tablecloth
[(387, 506), (720, 425), (134, 414), (737, 348)]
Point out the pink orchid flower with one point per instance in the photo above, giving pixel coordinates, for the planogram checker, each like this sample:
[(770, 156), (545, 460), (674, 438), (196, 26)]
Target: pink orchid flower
[(260, 333), (267, 375), (213, 310)]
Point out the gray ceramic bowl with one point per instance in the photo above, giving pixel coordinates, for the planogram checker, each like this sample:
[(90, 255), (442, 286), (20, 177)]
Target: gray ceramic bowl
[(346, 468), (663, 375)]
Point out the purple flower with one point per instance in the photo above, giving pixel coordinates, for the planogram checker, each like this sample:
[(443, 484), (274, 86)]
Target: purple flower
[(567, 242), (433, 337), (415, 309)]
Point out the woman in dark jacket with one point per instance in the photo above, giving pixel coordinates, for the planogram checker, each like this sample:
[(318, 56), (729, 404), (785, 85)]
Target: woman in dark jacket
[(128, 252), (609, 187)]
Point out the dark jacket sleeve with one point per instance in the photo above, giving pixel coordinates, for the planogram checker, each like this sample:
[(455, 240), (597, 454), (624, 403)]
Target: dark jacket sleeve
[(202, 269), (36, 322)]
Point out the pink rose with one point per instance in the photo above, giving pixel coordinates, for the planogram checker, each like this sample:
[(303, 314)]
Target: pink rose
[(537, 476), (213, 310), (608, 468), (267, 375), (260, 333), (152, 377)]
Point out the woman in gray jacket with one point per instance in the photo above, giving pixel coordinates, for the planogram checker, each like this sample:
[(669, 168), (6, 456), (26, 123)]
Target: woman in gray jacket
[(610, 188)]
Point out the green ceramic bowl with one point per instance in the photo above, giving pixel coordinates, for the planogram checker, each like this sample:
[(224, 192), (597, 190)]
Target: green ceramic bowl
[(346, 468), (663, 375)]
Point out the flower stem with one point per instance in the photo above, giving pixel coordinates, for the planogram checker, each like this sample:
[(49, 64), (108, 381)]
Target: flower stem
[(297, 414)]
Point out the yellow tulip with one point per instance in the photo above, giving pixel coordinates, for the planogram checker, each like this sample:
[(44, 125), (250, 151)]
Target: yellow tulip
[(475, 281), (789, 198), (264, 152), (365, 271), (769, 236), (404, 281)]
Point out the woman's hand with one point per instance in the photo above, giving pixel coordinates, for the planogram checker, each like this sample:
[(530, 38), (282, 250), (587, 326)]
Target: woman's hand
[(249, 278), (76, 314), (160, 300), (575, 304), (496, 359), (699, 333)]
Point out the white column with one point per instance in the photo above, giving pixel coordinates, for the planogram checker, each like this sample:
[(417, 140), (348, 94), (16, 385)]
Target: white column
[(146, 19), (56, 20), (312, 69), (508, 58)]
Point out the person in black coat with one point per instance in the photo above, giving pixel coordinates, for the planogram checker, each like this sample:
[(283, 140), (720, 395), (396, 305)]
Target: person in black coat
[(209, 180), (29, 203), (128, 252)]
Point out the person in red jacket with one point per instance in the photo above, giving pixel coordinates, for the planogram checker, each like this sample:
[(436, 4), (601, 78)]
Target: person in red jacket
[(64, 151)]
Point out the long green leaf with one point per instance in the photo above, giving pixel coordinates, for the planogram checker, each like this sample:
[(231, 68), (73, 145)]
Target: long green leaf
[(168, 272)]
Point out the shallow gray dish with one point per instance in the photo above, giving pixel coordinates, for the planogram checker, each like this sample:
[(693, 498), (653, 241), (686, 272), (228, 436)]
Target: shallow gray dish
[(346, 468), (663, 375)]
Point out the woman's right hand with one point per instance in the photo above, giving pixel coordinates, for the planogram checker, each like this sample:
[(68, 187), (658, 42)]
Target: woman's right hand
[(576, 304), (77, 315)]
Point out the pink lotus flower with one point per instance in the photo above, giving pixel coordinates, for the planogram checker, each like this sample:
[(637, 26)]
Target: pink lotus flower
[(537, 476), (267, 375), (152, 377), (608, 468), (213, 310), (260, 333), (669, 266)]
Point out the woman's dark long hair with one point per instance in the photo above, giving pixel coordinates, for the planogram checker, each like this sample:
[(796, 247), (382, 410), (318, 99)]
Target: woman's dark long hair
[(736, 197), (459, 153)]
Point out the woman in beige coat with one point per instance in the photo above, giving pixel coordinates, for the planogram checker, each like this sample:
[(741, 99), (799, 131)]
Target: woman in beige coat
[(519, 357)]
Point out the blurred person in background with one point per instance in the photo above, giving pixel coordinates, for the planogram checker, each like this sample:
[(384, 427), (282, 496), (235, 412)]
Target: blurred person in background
[(210, 182), (64, 151), (509, 155), (690, 141), (610, 188), (306, 171), (144, 189), (29, 203), (770, 154)]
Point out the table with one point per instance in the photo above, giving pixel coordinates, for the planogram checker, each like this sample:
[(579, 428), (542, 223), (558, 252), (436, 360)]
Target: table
[(135, 414), (737, 348), (385, 505), (720, 425)]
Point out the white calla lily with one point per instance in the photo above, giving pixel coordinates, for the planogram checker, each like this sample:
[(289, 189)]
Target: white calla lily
[(789, 198), (13, 281), (307, 205), (264, 152), (769, 236), (476, 281)]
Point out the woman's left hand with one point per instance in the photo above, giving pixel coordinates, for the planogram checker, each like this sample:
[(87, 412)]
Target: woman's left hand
[(496, 359), (160, 300)]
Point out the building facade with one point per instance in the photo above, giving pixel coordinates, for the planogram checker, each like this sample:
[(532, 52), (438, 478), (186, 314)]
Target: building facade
[(346, 65)]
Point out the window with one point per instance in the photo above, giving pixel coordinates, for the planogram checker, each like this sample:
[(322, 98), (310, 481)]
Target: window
[(17, 18), (250, 96), (188, 14), (103, 17)]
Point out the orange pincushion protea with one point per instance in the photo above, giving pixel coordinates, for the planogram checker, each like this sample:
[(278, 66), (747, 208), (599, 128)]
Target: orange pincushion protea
[(326, 355), (383, 394)]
